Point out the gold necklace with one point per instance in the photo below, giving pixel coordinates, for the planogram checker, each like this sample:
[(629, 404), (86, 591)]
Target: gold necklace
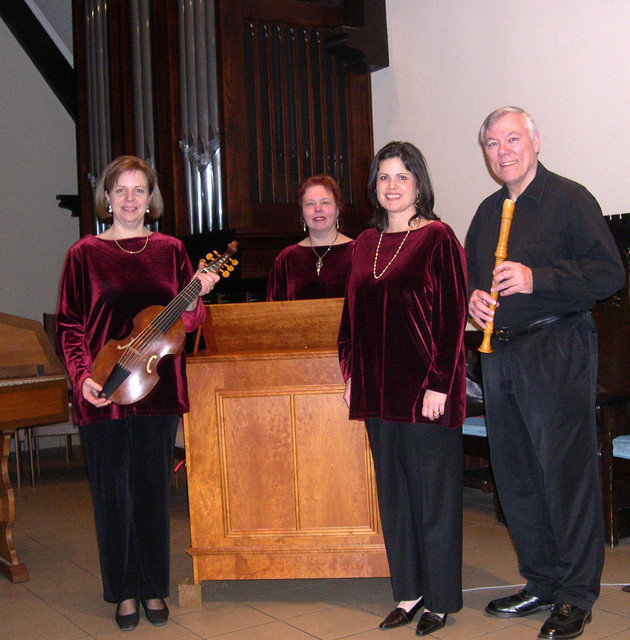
[(376, 277), (320, 259), (146, 242)]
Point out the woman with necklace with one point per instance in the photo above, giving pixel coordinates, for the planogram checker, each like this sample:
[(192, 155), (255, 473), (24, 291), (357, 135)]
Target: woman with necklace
[(401, 351), (106, 281), (317, 266)]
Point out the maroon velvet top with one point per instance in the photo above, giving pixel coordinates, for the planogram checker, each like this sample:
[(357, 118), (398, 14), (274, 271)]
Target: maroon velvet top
[(293, 275), (102, 289), (404, 333)]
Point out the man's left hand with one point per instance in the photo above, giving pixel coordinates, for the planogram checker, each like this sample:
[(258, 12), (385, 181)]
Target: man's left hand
[(512, 277)]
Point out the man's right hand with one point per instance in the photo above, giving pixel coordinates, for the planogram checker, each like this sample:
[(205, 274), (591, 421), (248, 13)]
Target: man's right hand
[(479, 307)]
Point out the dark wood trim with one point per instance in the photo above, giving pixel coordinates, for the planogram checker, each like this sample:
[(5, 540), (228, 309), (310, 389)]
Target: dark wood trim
[(43, 52), (121, 98)]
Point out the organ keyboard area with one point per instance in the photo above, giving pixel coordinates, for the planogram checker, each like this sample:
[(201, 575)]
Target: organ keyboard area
[(33, 391)]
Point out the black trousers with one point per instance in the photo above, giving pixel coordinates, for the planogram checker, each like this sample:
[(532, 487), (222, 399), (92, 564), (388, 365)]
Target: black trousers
[(539, 394), (129, 465), (419, 476)]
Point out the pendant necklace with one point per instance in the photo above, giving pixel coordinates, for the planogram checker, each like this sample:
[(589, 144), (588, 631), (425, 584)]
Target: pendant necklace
[(320, 259), (146, 242), (376, 277)]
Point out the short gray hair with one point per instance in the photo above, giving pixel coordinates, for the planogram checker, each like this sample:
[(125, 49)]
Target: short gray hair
[(498, 113)]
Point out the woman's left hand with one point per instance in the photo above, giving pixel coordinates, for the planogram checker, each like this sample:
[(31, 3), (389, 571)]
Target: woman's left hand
[(208, 280), (433, 404)]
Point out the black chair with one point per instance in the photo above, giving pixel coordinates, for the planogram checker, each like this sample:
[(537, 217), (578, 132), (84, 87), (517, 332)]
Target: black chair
[(477, 465)]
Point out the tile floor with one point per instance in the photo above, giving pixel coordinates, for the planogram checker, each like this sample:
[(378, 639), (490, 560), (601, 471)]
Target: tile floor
[(54, 535)]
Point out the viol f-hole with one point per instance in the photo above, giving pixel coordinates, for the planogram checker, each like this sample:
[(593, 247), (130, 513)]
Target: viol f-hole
[(500, 255)]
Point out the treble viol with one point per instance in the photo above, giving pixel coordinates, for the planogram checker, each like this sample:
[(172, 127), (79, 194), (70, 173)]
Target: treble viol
[(127, 369), (500, 254)]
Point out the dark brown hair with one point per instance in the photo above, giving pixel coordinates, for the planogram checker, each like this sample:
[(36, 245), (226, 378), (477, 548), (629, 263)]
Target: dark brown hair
[(415, 163)]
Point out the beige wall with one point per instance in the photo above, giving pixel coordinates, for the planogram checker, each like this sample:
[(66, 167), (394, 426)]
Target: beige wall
[(453, 61), (37, 162)]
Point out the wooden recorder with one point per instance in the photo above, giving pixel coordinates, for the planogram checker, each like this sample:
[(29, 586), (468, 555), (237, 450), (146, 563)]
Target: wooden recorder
[(500, 255)]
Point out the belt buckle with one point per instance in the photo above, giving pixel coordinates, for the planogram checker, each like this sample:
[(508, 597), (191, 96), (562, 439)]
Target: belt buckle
[(503, 334)]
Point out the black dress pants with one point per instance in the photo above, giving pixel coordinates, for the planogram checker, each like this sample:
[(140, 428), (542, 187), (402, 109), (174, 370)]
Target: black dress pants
[(419, 476), (539, 392), (129, 465)]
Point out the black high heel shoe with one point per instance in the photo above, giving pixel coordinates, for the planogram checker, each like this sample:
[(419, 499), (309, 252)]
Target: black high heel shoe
[(430, 622), (128, 621), (399, 616), (157, 617)]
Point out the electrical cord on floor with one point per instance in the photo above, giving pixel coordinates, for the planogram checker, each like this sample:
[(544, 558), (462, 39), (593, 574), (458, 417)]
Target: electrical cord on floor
[(520, 586)]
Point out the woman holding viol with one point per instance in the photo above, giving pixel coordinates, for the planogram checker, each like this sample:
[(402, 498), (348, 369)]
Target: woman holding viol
[(106, 281), (401, 350)]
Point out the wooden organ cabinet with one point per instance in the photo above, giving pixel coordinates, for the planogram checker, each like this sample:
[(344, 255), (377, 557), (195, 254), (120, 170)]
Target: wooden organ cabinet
[(280, 482)]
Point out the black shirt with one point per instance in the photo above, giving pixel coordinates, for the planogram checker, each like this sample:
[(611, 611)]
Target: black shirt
[(559, 232)]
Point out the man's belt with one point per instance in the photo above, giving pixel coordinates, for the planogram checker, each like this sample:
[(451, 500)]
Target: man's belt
[(509, 333)]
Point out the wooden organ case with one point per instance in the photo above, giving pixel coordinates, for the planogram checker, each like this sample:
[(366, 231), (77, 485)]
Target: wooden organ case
[(280, 482)]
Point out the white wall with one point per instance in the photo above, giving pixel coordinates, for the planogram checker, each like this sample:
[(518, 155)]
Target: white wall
[(37, 162), (452, 62)]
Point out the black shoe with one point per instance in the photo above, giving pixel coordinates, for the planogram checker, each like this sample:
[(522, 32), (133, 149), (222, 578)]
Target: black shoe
[(520, 604), (399, 616), (129, 621), (430, 622), (157, 617), (565, 621)]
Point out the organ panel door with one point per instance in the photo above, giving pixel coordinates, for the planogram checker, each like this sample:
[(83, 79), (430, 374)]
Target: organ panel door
[(290, 109)]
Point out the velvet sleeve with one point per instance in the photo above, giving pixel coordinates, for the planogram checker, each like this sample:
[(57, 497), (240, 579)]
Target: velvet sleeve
[(191, 319), (448, 267), (344, 342), (71, 330), (277, 282)]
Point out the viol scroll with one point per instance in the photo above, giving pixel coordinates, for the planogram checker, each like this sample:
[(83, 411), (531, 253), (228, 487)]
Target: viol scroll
[(500, 254)]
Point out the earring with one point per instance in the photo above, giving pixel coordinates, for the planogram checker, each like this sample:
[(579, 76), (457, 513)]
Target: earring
[(148, 211), (337, 223), (109, 208), (303, 225)]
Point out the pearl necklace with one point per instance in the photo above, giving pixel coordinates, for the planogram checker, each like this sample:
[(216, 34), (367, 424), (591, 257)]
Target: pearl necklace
[(146, 242), (376, 277), (320, 259)]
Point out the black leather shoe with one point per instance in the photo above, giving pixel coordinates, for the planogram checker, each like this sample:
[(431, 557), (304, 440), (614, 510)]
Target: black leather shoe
[(520, 604), (129, 621), (399, 616), (430, 622), (565, 621), (157, 617)]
